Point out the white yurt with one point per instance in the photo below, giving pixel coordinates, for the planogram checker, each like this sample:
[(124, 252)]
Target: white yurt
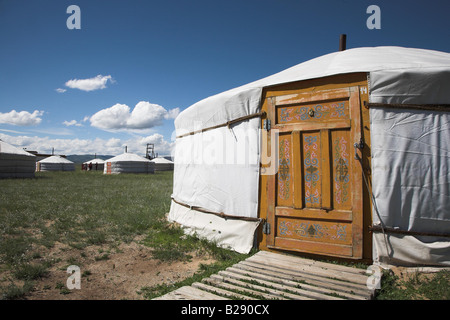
[(97, 164), (55, 163), (16, 162), (128, 163), (345, 155), (162, 164)]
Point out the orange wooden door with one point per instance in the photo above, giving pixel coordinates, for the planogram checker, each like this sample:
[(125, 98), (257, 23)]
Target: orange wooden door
[(315, 199)]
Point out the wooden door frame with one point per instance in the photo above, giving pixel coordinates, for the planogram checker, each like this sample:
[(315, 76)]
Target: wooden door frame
[(320, 89)]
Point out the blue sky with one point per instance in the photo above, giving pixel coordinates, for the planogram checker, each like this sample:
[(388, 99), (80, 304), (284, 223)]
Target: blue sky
[(134, 65)]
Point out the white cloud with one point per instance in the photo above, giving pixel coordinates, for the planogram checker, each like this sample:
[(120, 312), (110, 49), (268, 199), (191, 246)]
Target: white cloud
[(172, 114), (12, 131), (22, 118), (145, 115), (113, 143), (60, 90), (115, 117), (72, 123), (112, 146), (91, 84)]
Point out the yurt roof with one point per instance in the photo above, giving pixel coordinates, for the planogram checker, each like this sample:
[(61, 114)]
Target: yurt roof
[(10, 149), (97, 160), (55, 159), (391, 72), (128, 157), (161, 160)]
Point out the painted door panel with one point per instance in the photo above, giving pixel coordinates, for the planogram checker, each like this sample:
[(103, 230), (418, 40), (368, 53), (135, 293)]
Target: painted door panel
[(315, 199)]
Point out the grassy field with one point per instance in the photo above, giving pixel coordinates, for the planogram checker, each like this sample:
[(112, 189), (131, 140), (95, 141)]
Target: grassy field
[(80, 210), (57, 218)]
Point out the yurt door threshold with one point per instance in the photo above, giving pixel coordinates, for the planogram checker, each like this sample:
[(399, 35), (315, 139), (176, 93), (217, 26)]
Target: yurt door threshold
[(314, 201)]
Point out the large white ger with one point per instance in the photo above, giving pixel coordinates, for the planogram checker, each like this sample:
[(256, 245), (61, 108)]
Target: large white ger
[(55, 163), (128, 163), (15, 162), (162, 164), (388, 106)]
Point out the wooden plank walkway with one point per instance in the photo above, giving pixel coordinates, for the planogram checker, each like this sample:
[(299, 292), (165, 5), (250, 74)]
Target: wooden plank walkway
[(267, 275)]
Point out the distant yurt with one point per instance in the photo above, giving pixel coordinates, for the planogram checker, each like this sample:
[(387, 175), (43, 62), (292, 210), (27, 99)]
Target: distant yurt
[(162, 164), (97, 164), (346, 155), (16, 162), (55, 163), (128, 163)]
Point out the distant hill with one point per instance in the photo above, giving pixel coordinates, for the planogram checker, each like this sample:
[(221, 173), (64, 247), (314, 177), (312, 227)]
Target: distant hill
[(80, 158)]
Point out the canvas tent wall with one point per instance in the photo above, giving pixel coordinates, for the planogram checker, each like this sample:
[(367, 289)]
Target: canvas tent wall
[(15, 162), (162, 164), (55, 163), (218, 153), (128, 163), (97, 164)]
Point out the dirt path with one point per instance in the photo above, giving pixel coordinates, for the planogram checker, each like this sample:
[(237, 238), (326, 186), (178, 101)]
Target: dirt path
[(116, 274)]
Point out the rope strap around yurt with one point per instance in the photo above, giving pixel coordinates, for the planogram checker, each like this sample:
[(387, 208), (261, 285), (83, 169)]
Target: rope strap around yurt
[(219, 214), (431, 107), (410, 233), (225, 124)]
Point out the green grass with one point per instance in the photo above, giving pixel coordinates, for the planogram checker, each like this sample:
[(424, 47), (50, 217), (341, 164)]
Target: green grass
[(82, 209), (417, 287), (79, 209)]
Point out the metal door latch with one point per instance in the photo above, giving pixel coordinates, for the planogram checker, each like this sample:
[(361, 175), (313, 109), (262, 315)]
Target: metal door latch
[(267, 124), (266, 228), (358, 145)]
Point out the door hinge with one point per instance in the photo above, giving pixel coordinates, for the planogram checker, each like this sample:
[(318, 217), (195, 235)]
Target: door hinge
[(267, 124), (266, 228)]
